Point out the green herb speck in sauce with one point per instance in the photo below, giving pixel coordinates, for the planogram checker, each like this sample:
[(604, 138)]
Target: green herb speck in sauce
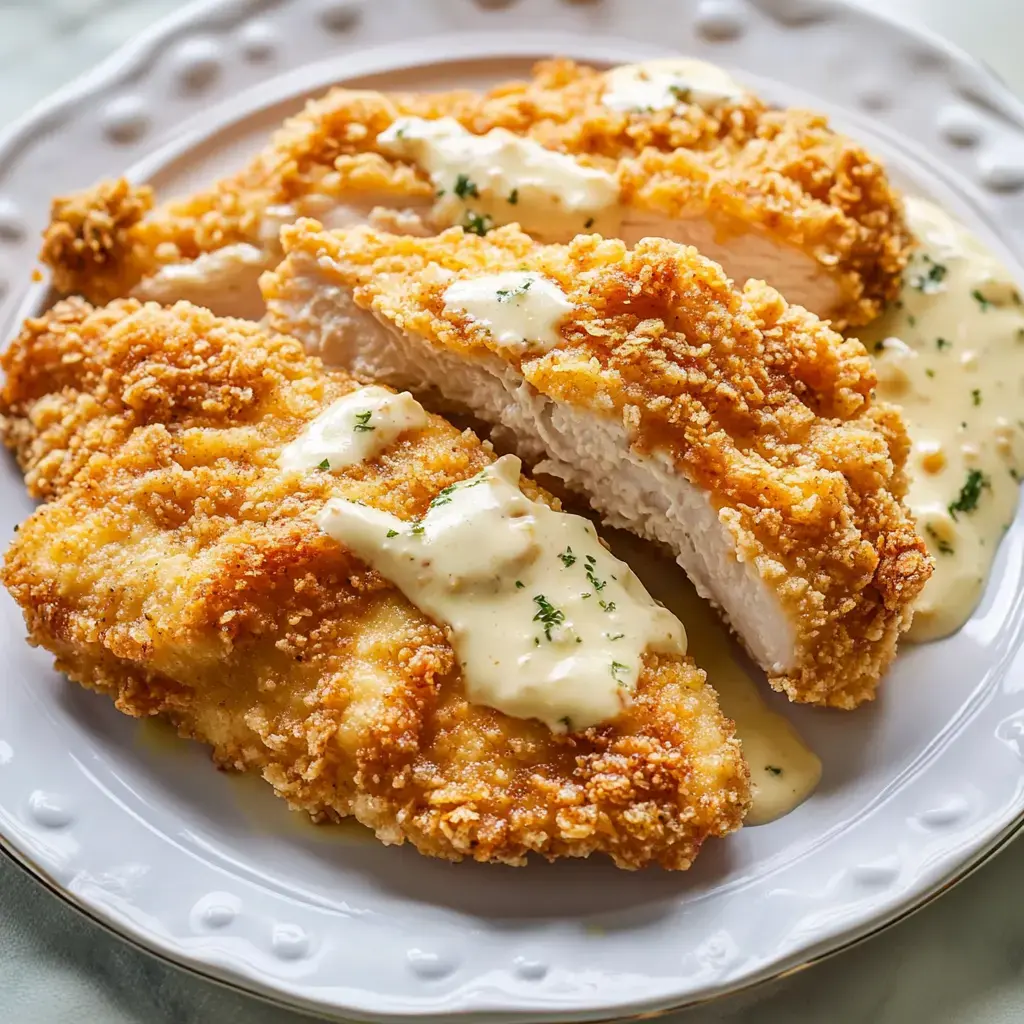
[(513, 197), (976, 396), (547, 614), (326, 464), (363, 421), (464, 187), (941, 343), (568, 558), (772, 769), (478, 224), (392, 533), (980, 300), (967, 500)]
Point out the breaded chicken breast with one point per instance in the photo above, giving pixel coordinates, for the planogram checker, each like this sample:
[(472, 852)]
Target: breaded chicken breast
[(179, 568), (670, 148), (735, 429)]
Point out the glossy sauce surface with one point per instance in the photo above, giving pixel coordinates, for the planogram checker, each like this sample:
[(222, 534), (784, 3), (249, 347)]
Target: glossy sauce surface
[(950, 354), (355, 428), (521, 310), (666, 83), (501, 178), (545, 622)]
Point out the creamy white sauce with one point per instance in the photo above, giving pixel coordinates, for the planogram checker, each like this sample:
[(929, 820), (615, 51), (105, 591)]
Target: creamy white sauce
[(950, 353), (671, 82), (545, 622), (521, 310), (355, 428), (783, 771), (501, 178)]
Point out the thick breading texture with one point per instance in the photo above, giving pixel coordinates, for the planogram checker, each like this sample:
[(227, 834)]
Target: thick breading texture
[(177, 569), (759, 404), (742, 166)]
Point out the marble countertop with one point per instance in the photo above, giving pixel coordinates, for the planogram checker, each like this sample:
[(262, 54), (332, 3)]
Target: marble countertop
[(958, 961)]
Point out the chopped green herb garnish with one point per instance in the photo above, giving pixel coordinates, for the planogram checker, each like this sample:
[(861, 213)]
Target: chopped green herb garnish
[(568, 558), (911, 320), (478, 224), (1015, 474), (879, 345), (392, 533), (607, 606), (547, 614), (941, 343), (520, 584), (507, 294), (326, 464), (588, 224), (513, 197), (464, 187), (976, 396), (981, 300), (618, 667), (773, 769), (363, 421), (418, 528), (615, 636), (929, 373), (945, 548), (566, 722), (443, 496), (681, 92), (935, 274), (967, 501)]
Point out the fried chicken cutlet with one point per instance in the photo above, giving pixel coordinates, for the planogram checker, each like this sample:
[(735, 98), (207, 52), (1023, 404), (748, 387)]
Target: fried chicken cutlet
[(179, 568), (668, 148), (723, 423)]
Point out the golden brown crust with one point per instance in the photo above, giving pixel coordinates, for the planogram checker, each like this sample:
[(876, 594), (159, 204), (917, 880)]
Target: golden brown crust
[(179, 571), (742, 166), (759, 403)]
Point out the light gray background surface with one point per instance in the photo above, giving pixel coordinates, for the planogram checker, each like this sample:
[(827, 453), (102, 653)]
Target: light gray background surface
[(958, 961)]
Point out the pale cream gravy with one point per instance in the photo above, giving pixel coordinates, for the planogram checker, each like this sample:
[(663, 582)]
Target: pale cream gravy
[(666, 83), (950, 354), (502, 178), (545, 622), (520, 309), (355, 428)]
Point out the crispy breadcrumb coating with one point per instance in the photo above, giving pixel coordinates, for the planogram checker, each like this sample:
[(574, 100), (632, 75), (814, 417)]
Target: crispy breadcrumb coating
[(178, 570), (741, 166), (759, 404)]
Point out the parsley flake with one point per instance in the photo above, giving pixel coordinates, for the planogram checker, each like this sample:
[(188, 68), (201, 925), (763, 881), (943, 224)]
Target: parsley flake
[(464, 187), (547, 614), (618, 667), (967, 501), (976, 396), (520, 584), (981, 300), (945, 548), (391, 533), (513, 197), (568, 558), (326, 464), (941, 343), (363, 421), (773, 769), (588, 224), (477, 223)]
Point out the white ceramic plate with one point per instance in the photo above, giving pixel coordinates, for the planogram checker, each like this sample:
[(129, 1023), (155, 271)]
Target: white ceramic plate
[(214, 873)]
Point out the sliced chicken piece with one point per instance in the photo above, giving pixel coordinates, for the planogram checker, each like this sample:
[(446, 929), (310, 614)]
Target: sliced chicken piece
[(675, 149), (734, 429), (180, 567)]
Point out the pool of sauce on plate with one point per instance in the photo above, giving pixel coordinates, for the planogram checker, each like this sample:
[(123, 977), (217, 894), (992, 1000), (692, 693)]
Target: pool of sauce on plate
[(950, 354)]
